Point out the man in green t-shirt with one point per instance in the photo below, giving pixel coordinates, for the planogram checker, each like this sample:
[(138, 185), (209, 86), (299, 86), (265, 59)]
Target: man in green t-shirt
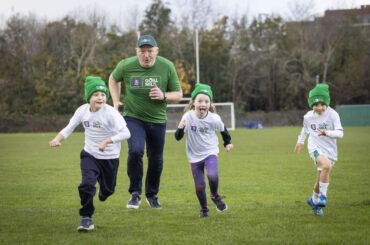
[(150, 82)]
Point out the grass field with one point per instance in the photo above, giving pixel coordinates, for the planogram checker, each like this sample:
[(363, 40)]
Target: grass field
[(265, 184)]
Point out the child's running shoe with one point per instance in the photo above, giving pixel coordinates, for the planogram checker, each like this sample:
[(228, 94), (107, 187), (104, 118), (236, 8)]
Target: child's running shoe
[(220, 204), (203, 212), (86, 224), (322, 201), (315, 208)]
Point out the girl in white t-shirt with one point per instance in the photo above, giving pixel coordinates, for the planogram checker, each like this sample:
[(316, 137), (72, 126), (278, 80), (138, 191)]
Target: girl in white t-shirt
[(200, 124), (105, 128), (323, 126)]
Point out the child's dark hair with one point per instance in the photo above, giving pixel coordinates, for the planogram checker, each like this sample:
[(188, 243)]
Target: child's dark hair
[(190, 106)]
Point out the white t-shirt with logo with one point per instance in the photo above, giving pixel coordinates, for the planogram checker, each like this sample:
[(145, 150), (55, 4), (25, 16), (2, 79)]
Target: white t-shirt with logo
[(100, 125), (201, 138), (329, 121)]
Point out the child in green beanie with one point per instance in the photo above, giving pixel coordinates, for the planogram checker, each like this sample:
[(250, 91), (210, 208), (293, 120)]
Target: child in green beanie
[(104, 128), (322, 126), (200, 124)]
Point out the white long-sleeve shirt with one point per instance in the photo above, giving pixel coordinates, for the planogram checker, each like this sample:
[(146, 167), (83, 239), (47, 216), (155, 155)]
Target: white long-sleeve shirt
[(329, 122), (201, 138), (100, 125)]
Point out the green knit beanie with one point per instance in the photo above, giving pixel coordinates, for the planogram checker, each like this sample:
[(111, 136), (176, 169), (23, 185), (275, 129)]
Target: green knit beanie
[(202, 89), (94, 84), (320, 93)]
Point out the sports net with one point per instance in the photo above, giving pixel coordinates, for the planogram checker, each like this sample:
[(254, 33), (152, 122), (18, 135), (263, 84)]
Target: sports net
[(225, 110)]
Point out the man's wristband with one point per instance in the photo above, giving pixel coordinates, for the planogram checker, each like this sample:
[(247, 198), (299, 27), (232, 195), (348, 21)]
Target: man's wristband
[(164, 97)]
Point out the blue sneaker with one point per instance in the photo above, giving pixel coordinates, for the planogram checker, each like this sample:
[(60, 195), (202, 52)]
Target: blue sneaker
[(322, 201), (153, 202), (315, 208), (220, 204), (203, 213), (134, 201), (86, 225)]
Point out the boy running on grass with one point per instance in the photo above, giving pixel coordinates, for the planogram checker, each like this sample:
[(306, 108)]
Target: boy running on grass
[(200, 124), (105, 128), (323, 126)]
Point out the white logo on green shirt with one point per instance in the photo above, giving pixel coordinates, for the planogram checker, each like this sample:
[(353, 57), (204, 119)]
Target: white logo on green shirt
[(150, 82), (145, 82)]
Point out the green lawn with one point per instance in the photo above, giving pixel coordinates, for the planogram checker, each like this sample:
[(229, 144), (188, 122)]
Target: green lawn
[(265, 184)]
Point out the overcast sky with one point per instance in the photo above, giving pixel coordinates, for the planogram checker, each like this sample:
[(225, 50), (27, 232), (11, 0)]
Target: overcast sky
[(120, 10)]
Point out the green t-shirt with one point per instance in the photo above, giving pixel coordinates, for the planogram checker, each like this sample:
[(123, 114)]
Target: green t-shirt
[(138, 81)]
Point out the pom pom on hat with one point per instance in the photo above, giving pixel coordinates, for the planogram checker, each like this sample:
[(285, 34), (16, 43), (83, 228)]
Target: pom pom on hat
[(320, 93), (202, 89), (94, 84)]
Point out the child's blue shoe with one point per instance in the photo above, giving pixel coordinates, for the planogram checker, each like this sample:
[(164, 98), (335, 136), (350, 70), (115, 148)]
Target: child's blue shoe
[(203, 212), (86, 224), (220, 204), (322, 201), (315, 208)]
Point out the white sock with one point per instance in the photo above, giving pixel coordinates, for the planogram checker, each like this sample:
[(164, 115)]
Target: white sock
[(323, 188), (315, 197)]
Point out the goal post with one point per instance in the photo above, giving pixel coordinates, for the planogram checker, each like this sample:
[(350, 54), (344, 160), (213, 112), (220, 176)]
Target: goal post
[(224, 109)]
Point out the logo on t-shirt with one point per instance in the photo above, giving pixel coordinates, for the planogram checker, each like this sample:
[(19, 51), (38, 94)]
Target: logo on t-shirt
[(145, 82), (313, 126), (97, 124), (150, 82), (86, 124), (193, 128), (136, 82), (323, 126), (203, 130)]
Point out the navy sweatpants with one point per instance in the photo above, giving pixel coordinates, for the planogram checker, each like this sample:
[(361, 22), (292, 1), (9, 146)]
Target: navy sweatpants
[(153, 135), (103, 171)]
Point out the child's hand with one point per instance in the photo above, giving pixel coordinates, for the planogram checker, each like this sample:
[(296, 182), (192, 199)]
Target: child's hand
[(298, 148), (55, 143), (57, 140), (322, 133), (104, 144), (182, 124), (229, 147)]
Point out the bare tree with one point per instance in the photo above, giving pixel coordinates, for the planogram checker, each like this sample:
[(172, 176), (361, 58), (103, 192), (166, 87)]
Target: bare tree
[(131, 18), (301, 10), (89, 30), (196, 14)]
